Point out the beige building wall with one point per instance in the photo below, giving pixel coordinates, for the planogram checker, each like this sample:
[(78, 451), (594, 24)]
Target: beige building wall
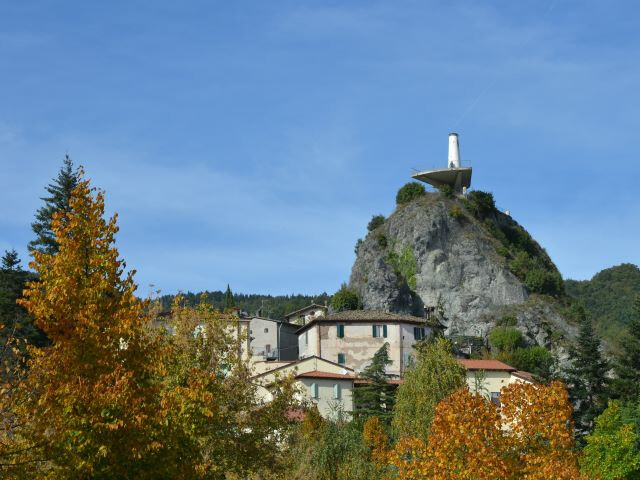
[(310, 364), (359, 345), (326, 400), (308, 342), (491, 382)]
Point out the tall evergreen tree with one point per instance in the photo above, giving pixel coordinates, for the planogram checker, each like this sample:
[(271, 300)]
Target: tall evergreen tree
[(11, 261), (59, 195), (587, 376), (627, 364), (376, 396), (228, 299)]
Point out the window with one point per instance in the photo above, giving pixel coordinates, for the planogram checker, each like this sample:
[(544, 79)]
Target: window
[(419, 333), (379, 331), (313, 388), (267, 348), (342, 358), (337, 391), (495, 398), (306, 337), (340, 329), (266, 330), (407, 359)]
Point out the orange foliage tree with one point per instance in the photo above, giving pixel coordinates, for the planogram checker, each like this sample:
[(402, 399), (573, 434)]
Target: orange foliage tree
[(539, 434), (530, 437), (89, 403), (376, 438)]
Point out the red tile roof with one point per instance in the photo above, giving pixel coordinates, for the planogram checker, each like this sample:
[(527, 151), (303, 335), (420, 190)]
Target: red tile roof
[(525, 376), (318, 374), (485, 365)]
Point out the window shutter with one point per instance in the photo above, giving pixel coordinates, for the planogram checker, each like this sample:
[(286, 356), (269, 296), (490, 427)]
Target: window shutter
[(336, 391), (340, 331), (384, 331), (375, 331), (341, 359), (314, 390), (415, 333)]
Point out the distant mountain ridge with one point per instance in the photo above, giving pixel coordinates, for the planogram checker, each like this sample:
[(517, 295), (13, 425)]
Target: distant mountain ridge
[(271, 306), (608, 297)]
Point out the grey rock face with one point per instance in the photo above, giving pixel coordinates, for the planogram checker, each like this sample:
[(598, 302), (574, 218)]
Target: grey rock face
[(457, 269)]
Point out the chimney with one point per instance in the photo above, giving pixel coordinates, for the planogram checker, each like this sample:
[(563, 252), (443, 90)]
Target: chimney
[(454, 151)]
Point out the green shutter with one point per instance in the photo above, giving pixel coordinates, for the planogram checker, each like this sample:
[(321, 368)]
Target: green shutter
[(384, 331), (375, 331), (415, 333), (341, 359), (340, 331)]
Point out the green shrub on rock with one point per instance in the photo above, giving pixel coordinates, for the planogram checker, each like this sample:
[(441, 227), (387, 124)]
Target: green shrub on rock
[(505, 339), (375, 222), (345, 299), (409, 192)]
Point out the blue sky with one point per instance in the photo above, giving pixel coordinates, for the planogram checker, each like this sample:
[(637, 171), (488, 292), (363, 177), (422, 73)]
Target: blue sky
[(250, 142)]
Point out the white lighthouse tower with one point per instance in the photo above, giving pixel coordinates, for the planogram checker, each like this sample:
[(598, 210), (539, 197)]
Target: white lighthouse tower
[(456, 176)]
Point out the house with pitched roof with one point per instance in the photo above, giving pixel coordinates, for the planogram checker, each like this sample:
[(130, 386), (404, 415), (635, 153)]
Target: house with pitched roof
[(352, 337)]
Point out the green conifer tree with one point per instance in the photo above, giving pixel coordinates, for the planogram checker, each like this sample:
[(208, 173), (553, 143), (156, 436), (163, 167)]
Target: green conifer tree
[(587, 377), (376, 396), (59, 194), (627, 363), (229, 303), (11, 261)]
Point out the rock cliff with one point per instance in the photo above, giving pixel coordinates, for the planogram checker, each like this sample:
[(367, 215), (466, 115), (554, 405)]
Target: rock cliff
[(473, 263)]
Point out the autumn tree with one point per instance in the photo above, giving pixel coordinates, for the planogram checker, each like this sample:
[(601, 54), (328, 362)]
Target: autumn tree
[(375, 396), (612, 450), (434, 375), (376, 438), (465, 442), (96, 411), (58, 200), (212, 403), (529, 437), (539, 437)]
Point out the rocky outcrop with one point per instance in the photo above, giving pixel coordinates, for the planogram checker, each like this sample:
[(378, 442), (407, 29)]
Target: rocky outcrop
[(432, 252)]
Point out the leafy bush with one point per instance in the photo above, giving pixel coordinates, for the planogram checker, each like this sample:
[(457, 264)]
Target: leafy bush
[(543, 281), (456, 212), (446, 191), (409, 192), (536, 360), (505, 339), (381, 239), (480, 204), (375, 222), (345, 299), (356, 249)]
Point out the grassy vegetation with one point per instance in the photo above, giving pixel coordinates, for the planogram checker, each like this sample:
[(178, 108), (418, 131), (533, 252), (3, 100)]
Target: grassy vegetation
[(404, 265), (525, 258)]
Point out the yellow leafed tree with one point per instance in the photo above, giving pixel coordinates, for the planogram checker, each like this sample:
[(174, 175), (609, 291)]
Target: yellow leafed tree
[(90, 399)]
